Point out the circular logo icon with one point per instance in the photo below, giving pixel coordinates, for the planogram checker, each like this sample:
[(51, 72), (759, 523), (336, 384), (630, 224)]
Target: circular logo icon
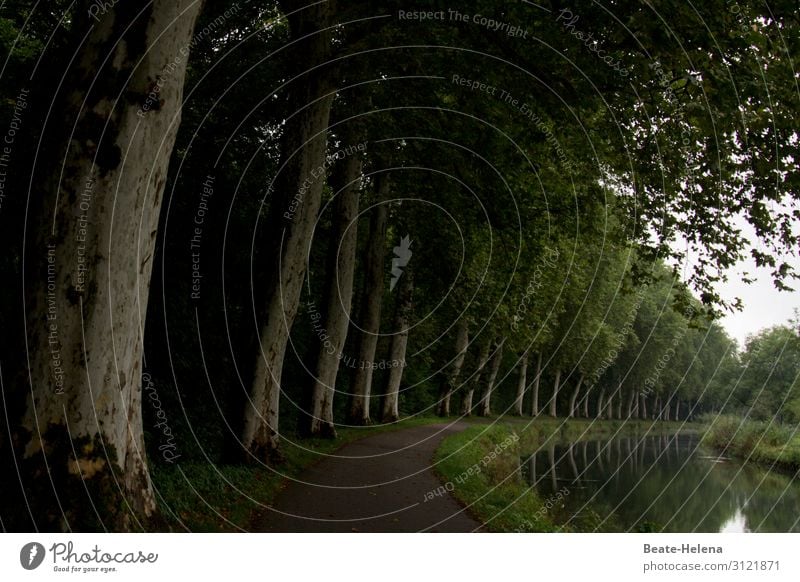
[(31, 555)]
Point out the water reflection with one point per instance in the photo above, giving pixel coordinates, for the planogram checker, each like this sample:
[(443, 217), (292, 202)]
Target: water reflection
[(662, 483)]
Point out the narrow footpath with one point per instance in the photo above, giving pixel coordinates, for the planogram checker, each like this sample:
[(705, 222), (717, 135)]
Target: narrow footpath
[(376, 484)]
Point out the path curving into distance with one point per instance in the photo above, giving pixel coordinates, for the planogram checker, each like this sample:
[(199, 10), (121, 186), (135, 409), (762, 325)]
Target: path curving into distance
[(376, 484)]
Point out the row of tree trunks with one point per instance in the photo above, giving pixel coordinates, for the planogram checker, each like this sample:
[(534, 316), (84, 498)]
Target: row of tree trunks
[(346, 185), (574, 398), (483, 358), (451, 379), (600, 403), (79, 434), (633, 404), (485, 403), (371, 303), (397, 349), (292, 218), (586, 401)]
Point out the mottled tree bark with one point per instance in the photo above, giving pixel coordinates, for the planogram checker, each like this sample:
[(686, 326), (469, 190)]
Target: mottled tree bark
[(397, 350), (370, 315), (292, 217), (79, 437), (346, 183)]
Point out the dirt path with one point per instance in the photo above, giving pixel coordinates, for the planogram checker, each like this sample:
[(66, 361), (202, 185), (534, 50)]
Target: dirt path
[(377, 484)]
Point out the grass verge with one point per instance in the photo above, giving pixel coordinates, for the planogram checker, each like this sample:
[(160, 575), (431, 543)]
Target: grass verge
[(773, 445)]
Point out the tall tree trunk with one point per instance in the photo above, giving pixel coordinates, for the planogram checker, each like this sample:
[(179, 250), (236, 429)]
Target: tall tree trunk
[(600, 403), (615, 398), (657, 408), (631, 401), (346, 183), (397, 350), (485, 404), (586, 401), (535, 391), (522, 382), (77, 426), (370, 315), (483, 358), (462, 343), (607, 413), (292, 217), (667, 407), (554, 401), (677, 409), (620, 401), (574, 398), (643, 401)]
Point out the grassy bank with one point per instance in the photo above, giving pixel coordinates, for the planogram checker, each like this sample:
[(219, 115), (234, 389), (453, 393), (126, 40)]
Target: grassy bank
[(203, 497), (769, 444), (480, 467)]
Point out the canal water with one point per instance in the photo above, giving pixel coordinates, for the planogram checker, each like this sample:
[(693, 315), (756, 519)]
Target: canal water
[(659, 483)]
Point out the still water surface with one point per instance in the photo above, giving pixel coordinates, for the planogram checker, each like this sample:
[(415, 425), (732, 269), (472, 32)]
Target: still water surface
[(660, 483)]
